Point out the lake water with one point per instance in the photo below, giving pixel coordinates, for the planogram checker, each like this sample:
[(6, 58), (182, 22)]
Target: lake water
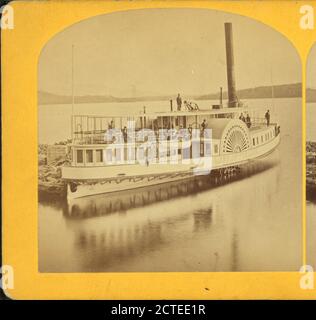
[(311, 206), (248, 222)]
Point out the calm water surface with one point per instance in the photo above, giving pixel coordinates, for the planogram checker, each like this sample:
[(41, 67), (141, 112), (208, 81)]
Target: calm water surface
[(311, 206), (249, 222)]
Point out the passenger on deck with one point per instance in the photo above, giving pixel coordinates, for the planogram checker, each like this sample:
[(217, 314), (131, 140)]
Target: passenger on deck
[(179, 102), (111, 125), (190, 130), (242, 118), (248, 121), (124, 134), (267, 116), (203, 125)]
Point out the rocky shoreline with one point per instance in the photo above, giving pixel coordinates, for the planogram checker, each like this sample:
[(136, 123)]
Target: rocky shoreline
[(311, 171), (50, 183)]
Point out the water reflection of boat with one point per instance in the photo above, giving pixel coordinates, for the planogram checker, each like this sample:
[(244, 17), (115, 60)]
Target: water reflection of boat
[(108, 241), (98, 205), (133, 231), (111, 240)]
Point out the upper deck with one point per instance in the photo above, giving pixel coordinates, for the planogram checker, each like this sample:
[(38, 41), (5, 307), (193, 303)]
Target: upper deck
[(91, 129), (94, 140)]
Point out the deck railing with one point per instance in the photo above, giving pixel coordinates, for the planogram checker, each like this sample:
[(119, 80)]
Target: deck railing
[(94, 129)]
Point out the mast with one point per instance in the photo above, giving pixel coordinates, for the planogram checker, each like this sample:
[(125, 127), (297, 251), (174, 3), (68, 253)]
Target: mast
[(72, 91), (72, 80), (272, 88)]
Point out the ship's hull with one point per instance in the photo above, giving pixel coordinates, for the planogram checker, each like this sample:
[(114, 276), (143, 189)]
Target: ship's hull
[(92, 182), (88, 189)]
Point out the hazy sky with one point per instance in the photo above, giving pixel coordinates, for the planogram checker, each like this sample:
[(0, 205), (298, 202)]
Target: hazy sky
[(311, 68), (164, 51)]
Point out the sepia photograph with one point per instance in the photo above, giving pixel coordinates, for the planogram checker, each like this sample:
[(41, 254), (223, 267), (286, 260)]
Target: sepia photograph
[(311, 157), (170, 140)]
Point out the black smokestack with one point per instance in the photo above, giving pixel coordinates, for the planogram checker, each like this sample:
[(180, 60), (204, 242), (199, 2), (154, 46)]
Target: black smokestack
[(232, 96)]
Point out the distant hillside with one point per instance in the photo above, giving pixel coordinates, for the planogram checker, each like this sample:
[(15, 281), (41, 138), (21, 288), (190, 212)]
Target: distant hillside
[(280, 91), (50, 98)]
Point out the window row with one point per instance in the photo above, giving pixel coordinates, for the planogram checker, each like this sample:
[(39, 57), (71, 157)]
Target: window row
[(263, 138), (91, 156), (88, 156)]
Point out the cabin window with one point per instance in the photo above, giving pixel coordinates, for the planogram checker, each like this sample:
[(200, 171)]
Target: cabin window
[(89, 156), (257, 140), (253, 141), (215, 148), (79, 156), (99, 155)]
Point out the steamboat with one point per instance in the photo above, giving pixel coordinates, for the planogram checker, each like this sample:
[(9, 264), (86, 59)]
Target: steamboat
[(111, 154)]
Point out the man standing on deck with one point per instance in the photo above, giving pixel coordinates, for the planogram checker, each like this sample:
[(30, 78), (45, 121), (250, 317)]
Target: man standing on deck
[(203, 124), (248, 121), (179, 102), (267, 116), (190, 130)]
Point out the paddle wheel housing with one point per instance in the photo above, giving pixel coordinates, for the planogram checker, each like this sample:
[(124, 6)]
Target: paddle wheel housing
[(232, 134)]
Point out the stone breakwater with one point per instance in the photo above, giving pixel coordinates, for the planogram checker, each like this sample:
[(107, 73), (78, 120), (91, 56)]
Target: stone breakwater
[(49, 175), (311, 170)]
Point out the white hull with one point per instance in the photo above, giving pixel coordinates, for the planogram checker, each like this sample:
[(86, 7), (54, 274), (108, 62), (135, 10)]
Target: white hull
[(99, 180), (85, 189)]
